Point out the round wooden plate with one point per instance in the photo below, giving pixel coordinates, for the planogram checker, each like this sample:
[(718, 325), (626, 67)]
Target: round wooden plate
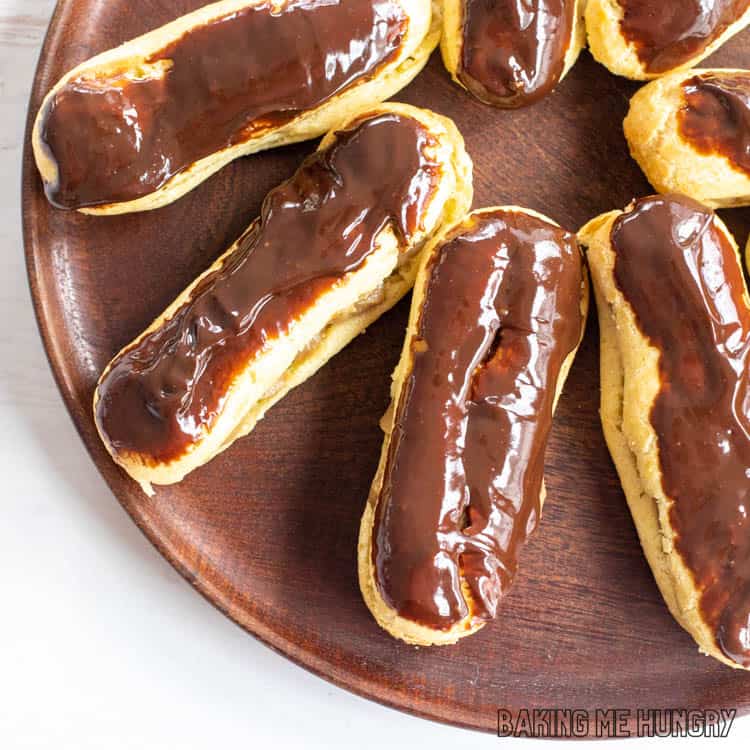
[(268, 531)]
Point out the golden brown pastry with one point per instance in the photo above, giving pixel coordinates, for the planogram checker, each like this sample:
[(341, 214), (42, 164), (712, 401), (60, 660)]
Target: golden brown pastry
[(137, 127), (644, 39), (511, 53), (335, 246), (690, 133), (674, 317), (498, 312)]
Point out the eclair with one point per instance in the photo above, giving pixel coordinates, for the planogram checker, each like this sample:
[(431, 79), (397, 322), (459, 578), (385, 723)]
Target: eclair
[(690, 133), (335, 246), (510, 53), (138, 126), (497, 315), (674, 320), (644, 39)]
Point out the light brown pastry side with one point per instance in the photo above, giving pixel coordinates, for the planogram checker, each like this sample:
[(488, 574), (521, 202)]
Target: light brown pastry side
[(615, 52), (327, 327), (670, 162), (451, 39), (421, 38), (388, 619), (630, 382)]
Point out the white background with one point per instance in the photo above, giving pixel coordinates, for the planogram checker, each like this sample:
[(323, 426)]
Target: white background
[(102, 644)]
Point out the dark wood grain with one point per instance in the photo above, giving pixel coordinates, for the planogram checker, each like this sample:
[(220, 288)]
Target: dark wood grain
[(268, 530)]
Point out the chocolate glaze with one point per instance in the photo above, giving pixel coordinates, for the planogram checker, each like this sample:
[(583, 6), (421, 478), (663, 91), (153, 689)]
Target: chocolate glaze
[(668, 33), (465, 464), (160, 395), (513, 51), (683, 280), (117, 138), (716, 116)]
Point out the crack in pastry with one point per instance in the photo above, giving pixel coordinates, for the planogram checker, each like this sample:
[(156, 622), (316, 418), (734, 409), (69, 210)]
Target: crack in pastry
[(511, 53), (643, 39), (690, 133), (675, 344), (335, 246), (497, 316), (138, 126)]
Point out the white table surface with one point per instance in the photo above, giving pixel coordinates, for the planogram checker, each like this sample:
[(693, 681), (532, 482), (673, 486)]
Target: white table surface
[(102, 644)]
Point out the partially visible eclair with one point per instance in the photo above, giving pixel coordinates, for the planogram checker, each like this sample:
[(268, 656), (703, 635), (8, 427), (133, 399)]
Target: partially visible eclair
[(511, 53), (674, 321), (690, 133), (335, 246), (138, 126), (497, 315), (644, 39)]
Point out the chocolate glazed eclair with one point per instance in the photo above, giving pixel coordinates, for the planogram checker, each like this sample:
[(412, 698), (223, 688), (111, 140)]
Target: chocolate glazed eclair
[(335, 246), (511, 53), (138, 126), (674, 317), (644, 39), (690, 133), (498, 313)]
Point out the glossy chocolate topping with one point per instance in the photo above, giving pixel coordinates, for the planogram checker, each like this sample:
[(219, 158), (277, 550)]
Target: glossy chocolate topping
[(121, 137), (683, 280), (513, 51), (716, 116), (465, 464), (160, 396), (668, 33)]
